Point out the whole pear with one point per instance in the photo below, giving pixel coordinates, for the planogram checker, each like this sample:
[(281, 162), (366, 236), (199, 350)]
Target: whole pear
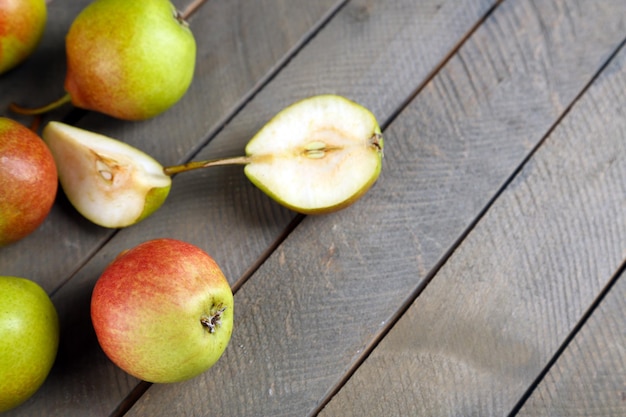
[(28, 181), (129, 59), (21, 26), (29, 339), (163, 311)]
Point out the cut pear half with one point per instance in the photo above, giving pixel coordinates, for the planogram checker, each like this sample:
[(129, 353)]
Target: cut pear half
[(318, 155), (108, 181)]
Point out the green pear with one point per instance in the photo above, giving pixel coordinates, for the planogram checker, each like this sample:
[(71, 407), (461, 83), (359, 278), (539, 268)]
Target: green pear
[(22, 23), (29, 339), (128, 59), (108, 181)]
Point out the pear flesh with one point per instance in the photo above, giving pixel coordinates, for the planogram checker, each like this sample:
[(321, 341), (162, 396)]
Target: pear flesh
[(318, 155), (109, 182)]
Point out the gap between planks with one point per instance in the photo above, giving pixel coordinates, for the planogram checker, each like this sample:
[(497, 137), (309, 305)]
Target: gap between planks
[(413, 296)]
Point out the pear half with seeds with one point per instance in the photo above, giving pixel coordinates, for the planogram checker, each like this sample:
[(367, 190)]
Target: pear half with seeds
[(109, 182), (317, 155)]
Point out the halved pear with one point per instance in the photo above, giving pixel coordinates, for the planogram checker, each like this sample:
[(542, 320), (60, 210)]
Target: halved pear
[(108, 181), (318, 155)]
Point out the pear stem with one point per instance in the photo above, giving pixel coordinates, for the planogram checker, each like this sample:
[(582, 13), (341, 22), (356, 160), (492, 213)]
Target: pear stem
[(237, 160), (191, 8), (40, 110)]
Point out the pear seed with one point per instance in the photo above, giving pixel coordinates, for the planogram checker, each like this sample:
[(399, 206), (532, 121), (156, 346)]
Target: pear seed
[(315, 154), (107, 175), (316, 145), (103, 170)]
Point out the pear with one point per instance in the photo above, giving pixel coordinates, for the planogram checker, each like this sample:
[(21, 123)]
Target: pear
[(22, 23), (108, 181), (316, 156), (128, 59)]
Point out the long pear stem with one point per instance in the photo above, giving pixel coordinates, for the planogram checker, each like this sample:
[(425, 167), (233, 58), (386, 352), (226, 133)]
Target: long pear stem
[(40, 110), (237, 160)]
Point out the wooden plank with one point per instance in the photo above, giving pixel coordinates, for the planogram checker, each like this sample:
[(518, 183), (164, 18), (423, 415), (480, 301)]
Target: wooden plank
[(497, 311), (589, 378), (234, 223), (305, 317), (224, 78)]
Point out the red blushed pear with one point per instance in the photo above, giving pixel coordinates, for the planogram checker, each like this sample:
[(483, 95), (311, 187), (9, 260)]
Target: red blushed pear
[(163, 311), (128, 59), (28, 181), (22, 23)]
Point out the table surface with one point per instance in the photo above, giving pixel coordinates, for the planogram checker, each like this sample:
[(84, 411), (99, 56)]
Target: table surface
[(482, 273)]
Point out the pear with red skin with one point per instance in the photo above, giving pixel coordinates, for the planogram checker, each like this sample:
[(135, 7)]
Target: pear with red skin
[(28, 181), (163, 311), (22, 23)]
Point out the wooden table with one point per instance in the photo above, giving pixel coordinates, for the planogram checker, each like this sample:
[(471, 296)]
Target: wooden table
[(479, 276)]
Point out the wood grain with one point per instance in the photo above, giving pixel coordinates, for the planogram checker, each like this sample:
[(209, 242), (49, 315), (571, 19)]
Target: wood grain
[(306, 316), (497, 311), (589, 377)]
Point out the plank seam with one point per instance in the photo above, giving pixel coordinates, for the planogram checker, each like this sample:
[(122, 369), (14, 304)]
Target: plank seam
[(603, 293), (368, 349), (444, 259), (570, 337)]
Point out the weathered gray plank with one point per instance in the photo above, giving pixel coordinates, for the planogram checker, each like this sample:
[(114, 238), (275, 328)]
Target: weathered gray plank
[(485, 327), (305, 317), (229, 221), (227, 72), (589, 378)]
